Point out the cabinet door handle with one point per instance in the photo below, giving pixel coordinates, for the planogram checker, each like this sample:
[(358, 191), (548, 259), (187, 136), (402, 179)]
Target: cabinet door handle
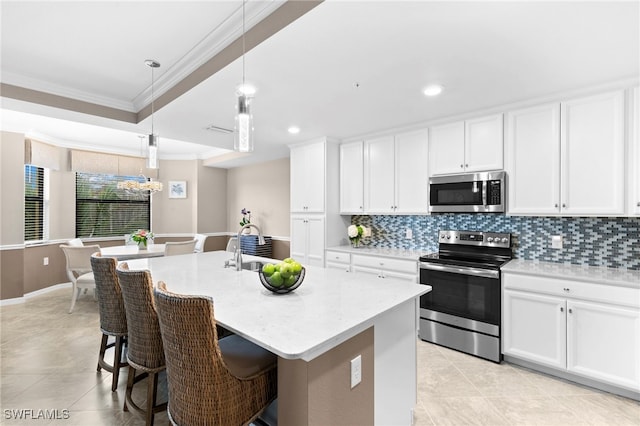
[(638, 204), (561, 309), (567, 289), (556, 205), (466, 165), (570, 310), (564, 205), (360, 207), (462, 166)]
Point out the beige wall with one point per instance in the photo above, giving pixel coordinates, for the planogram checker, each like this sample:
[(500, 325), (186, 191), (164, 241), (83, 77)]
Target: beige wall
[(12, 186), (212, 199), (264, 189)]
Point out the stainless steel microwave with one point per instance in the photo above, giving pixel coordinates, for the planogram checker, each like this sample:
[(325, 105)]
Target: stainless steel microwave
[(482, 192)]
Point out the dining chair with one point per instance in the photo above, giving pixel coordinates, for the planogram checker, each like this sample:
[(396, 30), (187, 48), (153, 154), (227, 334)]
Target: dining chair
[(179, 247), (200, 240), (78, 265), (144, 343), (113, 318), (211, 381), (232, 244)]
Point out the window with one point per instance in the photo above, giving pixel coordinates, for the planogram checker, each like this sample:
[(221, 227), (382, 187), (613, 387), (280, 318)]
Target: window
[(36, 203), (102, 210)]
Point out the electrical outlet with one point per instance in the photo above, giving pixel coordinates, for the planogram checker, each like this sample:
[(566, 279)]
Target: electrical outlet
[(356, 371), (45, 261), (408, 234), (556, 241)]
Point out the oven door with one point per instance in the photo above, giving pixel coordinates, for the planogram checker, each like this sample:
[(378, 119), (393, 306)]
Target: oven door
[(471, 294)]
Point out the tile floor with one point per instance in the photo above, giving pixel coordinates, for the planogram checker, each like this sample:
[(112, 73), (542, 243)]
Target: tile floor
[(48, 361)]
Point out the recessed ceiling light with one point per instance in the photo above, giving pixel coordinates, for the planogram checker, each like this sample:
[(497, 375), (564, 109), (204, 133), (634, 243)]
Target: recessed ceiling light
[(294, 130), (433, 90)]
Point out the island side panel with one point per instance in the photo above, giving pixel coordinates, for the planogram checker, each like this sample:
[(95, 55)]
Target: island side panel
[(396, 364), (319, 392)]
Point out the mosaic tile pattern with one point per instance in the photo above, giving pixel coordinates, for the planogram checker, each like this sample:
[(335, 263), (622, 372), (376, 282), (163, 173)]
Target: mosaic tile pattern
[(597, 241)]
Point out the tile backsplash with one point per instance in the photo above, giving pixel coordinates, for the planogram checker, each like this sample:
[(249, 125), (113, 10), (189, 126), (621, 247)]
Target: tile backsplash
[(598, 241)]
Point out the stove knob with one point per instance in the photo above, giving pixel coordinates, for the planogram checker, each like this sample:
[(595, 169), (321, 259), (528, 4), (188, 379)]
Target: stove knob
[(505, 240), (448, 237), (490, 239)]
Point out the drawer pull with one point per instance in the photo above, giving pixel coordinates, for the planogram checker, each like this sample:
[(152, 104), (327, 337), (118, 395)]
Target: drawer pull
[(566, 289)]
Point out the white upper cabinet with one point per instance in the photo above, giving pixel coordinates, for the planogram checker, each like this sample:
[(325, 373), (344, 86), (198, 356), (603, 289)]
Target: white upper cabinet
[(567, 158), (412, 174), (395, 174), (308, 178), (634, 175), (446, 148), (532, 160), (592, 154), (352, 178), (379, 181), (467, 146), (483, 143)]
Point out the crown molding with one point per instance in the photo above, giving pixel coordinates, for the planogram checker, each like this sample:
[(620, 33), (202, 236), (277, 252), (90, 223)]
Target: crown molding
[(212, 44)]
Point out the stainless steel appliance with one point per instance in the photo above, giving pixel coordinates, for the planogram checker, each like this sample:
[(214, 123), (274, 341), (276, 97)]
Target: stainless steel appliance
[(468, 192), (463, 309)]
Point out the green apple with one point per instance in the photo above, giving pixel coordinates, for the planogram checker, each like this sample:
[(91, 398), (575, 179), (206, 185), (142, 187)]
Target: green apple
[(296, 267), (288, 282), (288, 260), (268, 269), (286, 270), (276, 279)]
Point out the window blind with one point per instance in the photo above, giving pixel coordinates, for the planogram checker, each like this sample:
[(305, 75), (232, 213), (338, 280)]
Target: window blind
[(103, 210), (34, 203)]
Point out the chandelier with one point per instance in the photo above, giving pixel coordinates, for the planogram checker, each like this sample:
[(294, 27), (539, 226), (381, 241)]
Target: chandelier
[(140, 185)]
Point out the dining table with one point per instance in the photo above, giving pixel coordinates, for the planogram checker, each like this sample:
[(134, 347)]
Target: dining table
[(334, 326), (133, 251)]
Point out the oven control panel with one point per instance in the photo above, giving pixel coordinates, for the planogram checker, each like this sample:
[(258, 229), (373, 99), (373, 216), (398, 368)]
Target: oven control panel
[(475, 238)]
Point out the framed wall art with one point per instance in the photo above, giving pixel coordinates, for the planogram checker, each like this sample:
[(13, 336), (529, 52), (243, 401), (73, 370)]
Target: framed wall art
[(177, 189)]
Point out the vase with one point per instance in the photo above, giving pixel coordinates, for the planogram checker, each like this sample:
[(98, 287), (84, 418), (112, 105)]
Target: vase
[(142, 245), (355, 243)]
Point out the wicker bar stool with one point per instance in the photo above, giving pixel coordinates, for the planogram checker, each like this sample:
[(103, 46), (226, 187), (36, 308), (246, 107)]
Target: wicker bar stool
[(228, 381), (144, 351), (113, 319)]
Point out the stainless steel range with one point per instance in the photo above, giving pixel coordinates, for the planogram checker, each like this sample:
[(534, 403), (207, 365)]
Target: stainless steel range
[(463, 310)]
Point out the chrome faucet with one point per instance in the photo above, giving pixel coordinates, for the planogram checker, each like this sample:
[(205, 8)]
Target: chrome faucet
[(237, 256)]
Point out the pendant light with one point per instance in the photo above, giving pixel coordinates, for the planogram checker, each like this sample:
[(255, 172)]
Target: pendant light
[(243, 134), (152, 147)]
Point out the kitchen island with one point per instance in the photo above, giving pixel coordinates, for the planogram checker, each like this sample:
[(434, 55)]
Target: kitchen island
[(316, 331)]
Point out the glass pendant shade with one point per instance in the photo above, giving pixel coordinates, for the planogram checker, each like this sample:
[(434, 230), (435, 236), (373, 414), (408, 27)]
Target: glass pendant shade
[(243, 135), (152, 152)]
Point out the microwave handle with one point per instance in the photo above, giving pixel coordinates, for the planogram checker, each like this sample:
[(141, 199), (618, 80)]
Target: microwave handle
[(484, 192)]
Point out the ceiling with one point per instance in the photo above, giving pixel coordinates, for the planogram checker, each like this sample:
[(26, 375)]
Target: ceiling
[(342, 69)]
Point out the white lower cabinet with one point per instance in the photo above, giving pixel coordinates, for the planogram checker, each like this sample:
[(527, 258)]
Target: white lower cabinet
[(338, 260), (383, 267), (307, 239), (597, 338)]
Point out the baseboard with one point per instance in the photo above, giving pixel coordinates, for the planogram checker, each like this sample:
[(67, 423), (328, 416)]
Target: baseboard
[(18, 300), (574, 378)]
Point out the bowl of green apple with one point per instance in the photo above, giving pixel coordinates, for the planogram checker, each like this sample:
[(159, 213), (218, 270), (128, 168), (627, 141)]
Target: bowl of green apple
[(282, 277)]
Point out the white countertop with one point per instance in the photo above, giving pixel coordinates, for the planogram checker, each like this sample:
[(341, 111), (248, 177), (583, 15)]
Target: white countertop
[(593, 274), (329, 307), (383, 252)]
